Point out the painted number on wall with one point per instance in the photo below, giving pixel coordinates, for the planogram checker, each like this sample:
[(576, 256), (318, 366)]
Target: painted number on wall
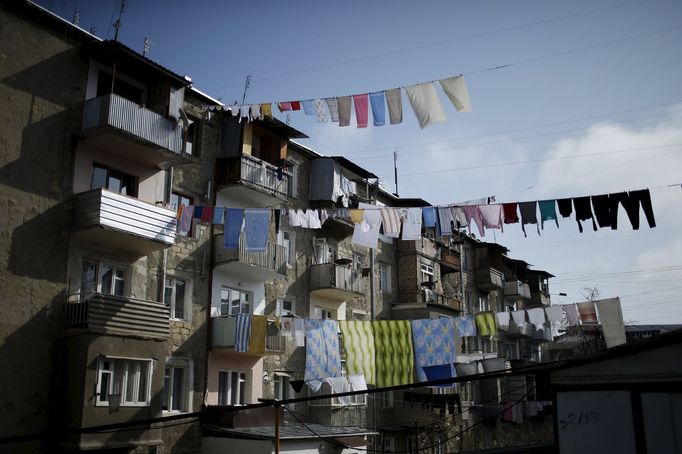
[(576, 419)]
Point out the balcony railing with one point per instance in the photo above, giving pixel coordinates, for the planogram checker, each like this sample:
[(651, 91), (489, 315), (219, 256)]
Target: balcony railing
[(116, 112), (274, 339), (516, 289), (339, 279), (254, 173), (151, 227), (489, 279), (421, 297), (117, 315), (272, 261), (224, 330)]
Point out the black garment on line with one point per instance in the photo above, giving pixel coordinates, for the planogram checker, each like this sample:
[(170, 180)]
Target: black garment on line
[(583, 211), (632, 204), (528, 212), (278, 214), (565, 207), (602, 210), (297, 385), (614, 200)]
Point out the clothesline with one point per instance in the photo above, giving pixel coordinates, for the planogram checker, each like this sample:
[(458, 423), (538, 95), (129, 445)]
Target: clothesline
[(407, 223), (423, 99)]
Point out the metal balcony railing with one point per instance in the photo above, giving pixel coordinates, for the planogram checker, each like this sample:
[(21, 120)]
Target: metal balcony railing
[(333, 276), (255, 173), (273, 259)]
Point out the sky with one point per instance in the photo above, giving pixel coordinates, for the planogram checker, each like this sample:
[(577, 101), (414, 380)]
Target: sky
[(569, 99)]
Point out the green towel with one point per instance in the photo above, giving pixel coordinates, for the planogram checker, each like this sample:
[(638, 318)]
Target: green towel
[(358, 343), (259, 325), (394, 352), (485, 321)]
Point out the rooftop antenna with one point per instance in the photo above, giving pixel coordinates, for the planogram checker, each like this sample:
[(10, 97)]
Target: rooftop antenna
[(92, 30), (247, 85), (395, 171), (117, 24), (146, 46), (76, 18)]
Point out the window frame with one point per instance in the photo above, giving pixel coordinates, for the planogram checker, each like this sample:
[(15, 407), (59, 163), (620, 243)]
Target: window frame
[(99, 275), (289, 245), (424, 272), (227, 392), (281, 386), (187, 298), (174, 364), (359, 260), (281, 311), (385, 277), (229, 313), (123, 383), (130, 180)]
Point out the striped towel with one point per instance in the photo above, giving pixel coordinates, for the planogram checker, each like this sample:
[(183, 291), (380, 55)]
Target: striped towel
[(242, 333)]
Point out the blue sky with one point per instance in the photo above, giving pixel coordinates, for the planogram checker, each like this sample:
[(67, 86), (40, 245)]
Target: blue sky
[(590, 103)]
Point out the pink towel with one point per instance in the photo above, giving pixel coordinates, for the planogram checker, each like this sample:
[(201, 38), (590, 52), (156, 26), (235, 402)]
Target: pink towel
[(361, 109), (493, 217), (474, 212), (284, 106)]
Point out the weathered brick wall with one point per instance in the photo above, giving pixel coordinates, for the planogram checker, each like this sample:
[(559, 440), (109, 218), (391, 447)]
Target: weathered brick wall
[(42, 87)]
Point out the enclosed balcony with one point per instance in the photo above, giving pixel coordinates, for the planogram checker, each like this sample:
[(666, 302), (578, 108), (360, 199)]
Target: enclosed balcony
[(489, 279), (126, 128), (338, 282), (525, 330), (123, 222), (429, 297), (253, 180), (261, 266), (224, 331), (117, 315), (516, 290)]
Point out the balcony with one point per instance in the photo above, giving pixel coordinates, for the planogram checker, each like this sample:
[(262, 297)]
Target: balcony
[(260, 266), (224, 330), (274, 338), (433, 299), (123, 222), (514, 331), (117, 315), (539, 299), (126, 128), (516, 290), (338, 282), (257, 182), (489, 279)]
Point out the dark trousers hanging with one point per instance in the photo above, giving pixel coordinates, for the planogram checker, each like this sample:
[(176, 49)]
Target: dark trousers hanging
[(601, 206), (634, 201), (583, 211)]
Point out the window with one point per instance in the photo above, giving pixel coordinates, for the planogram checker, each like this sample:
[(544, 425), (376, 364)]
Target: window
[(358, 315), (286, 239), (324, 252), (175, 297), (120, 87), (385, 277), (233, 302), (104, 177), (293, 181), (426, 273), (176, 200), (231, 387), (103, 277), (358, 261), (285, 307), (176, 385), (282, 386), (192, 135), (321, 313), (124, 379), (467, 260), (483, 302)]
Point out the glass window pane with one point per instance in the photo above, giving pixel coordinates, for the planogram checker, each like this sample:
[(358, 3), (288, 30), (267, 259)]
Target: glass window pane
[(234, 388), (142, 384), (99, 178), (114, 183), (107, 276), (104, 386), (166, 388), (179, 299), (119, 282), (178, 387), (222, 388), (242, 387), (88, 277), (133, 369)]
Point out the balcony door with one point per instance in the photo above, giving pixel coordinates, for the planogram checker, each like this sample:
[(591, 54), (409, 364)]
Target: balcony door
[(233, 301), (324, 252)]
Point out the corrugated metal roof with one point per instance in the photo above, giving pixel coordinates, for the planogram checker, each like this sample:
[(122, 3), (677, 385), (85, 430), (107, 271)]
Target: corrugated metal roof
[(290, 431)]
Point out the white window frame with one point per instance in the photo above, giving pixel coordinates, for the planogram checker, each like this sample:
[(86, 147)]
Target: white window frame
[(247, 302), (483, 302), (99, 276), (282, 386), (281, 310), (289, 245), (385, 277), (358, 260), (323, 313), (169, 385), (242, 383), (426, 272), (187, 298), (122, 383)]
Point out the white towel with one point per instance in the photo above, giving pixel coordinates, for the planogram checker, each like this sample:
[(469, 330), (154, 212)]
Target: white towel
[(554, 314), (537, 317), (299, 332), (456, 89), (503, 319), (459, 216), (425, 103), (313, 217), (493, 216), (412, 227), (391, 222), (357, 382), (294, 219), (611, 317), (339, 385), (572, 316), (366, 233), (303, 216), (519, 317)]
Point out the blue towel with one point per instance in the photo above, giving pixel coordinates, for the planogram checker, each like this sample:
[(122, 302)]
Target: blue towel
[(465, 325), (434, 344), (198, 211), (308, 107), (439, 372), (242, 333), (429, 214), (218, 215), (323, 358), (256, 228), (233, 227), (547, 212), (378, 108)]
